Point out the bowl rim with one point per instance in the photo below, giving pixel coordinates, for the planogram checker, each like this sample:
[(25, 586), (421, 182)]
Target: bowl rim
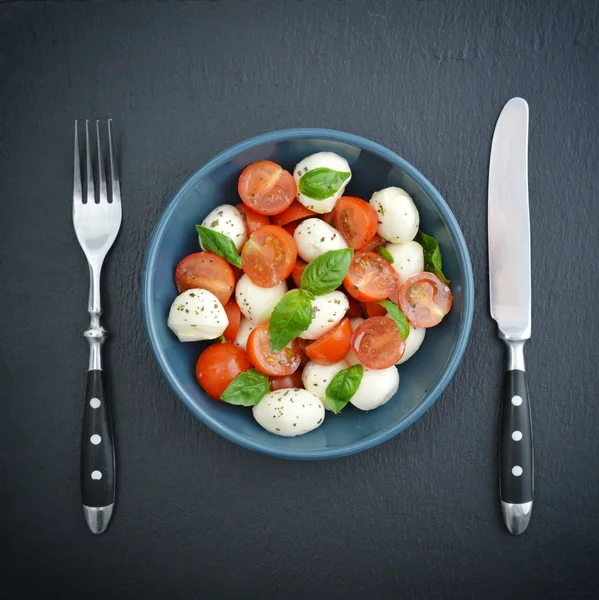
[(449, 219)]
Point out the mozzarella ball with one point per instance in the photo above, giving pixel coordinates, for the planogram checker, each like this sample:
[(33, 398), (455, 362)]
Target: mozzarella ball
[(197, 315), (413, 343), (317, 377), (314, 237), (351, 359), (257, 303), (376, 388), (228, 220), (327, 311), (289, 412), (245, 328), (408, 259), (397, 214), (320, 160)]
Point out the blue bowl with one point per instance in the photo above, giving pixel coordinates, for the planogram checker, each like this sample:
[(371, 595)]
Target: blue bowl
[(423, 377)]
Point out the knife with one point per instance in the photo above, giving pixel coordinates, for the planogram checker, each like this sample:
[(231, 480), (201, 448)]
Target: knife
[(509, 282)]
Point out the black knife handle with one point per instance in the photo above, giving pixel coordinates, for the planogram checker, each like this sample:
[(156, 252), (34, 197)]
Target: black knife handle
[(97, 445), (516, 449)]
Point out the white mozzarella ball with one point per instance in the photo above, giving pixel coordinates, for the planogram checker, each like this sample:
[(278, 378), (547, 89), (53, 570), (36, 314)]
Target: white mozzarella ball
[(408, 259), (289, 412), (351, 358), (317, 377), (327, 311), (228, 220), (397, 215), (413, 343), (245, 328), (197, 315), (320, 160), (376, 388), (257, 303), (314, 237)]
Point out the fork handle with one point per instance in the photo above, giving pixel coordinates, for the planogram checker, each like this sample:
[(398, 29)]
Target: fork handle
[(97, 455)]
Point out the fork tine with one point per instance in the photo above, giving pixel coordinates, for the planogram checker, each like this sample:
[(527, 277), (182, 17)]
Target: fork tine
[(101, 172), (88, 167), (114, 174), (77, 194)]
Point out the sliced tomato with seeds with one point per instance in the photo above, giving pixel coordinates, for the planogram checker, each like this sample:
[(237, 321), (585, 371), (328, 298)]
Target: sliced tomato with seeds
[(218, 365), (206, 271), (370, 277), (252, 219), (332, 346), (284, 362), (298, 271), (377, 343), (234, 316), (268, 257), (266, 187), (356, 221), (425, 299), (286, 381), (295, 212)]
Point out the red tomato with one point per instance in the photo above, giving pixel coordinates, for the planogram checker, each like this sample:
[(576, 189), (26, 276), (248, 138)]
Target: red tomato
[(303, 344), (269, 256), (329, 218), (377, 343), (284, 362), (206, 271), (295, 212), (252, 219), (234, 316), (218, 365), (375, 243), (266, 187), (355, 220), (298, 271), (355, 308), (287, 381), (291, 227), (370, 277), (425, 299), (372, 309), (332, 346)]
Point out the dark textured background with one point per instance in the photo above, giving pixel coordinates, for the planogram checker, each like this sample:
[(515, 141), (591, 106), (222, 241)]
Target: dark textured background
[(198, 517)]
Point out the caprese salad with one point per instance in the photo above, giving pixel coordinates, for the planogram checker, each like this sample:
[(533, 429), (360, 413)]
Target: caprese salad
[(313, 297)]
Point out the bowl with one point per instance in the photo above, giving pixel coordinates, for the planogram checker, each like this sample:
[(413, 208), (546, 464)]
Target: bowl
[(374, 167)]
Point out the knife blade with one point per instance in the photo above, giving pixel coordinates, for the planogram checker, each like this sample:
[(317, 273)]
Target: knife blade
[(510, 298)]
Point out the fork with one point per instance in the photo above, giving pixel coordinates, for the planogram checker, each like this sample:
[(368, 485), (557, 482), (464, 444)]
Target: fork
[(96, 226)]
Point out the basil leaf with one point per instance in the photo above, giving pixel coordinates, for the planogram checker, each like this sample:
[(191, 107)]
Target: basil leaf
[(343, 386), (386, 254), (246, 389), (433, 262), (291, 316), (396, 315), (321, 183), (326, 273), (220, 244)]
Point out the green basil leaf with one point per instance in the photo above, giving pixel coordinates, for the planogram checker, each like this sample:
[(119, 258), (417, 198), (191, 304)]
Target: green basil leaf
[(386, 254), (247, 389), (291, 316), (325, 274), (433, 262), (396, 315), (220, 244), (321, 183), (343, 386)]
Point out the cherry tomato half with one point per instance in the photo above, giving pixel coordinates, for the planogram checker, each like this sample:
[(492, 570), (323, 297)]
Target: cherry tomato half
[(284, 362), (355, 308), (291, 227), (234, 316), (206, 271), (252, 219), (329, 218), (269, 256), (356, 220), (298, 271), (425, 299), (373, 309), (377, 343), (295, 212), (266, 187), (218, 365), (287, 381), (332, 346), (375, 243), (370, 277)]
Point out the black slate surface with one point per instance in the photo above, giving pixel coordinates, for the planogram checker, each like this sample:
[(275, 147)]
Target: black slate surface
[(198, 517)]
